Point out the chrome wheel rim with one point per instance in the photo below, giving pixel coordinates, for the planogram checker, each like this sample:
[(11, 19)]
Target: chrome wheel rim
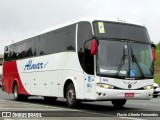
[(71, 96), (15, 92)]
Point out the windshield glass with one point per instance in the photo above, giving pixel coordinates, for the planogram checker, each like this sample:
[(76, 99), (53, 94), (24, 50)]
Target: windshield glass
[(112, 55), (114, 60), (104, 29), (141, 60)]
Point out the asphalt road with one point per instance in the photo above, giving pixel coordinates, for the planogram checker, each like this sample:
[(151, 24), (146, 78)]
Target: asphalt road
[(36, 107)]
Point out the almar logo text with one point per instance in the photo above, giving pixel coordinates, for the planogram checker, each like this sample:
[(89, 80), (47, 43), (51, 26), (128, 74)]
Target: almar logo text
[(30, 65)]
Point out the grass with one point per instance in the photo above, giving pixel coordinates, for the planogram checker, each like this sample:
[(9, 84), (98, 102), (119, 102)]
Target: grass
[(157, 78), (157, 66)]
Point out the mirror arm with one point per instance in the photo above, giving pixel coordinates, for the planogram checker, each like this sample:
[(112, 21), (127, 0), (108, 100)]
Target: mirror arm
[(94, 37)]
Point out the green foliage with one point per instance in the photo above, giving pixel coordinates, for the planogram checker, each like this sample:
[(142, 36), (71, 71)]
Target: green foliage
[(157, 65), (157, 79), (157, 62), (158, 46)]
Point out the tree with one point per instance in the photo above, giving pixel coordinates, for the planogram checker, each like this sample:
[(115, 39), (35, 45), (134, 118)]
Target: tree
[(158, 46)]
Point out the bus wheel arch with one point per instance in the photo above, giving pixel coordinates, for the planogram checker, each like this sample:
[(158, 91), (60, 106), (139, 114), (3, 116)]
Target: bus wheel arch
[(69, 81), (70, 94)]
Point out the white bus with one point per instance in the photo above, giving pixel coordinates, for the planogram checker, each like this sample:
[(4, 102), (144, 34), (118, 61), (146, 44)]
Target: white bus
[(84, 60)]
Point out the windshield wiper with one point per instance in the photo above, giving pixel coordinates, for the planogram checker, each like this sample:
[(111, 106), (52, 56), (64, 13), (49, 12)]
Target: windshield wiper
[(122, 62), (136, 61)]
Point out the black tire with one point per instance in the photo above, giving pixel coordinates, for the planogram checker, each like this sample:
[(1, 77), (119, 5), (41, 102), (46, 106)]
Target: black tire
[(17, 96), (71, 96), (155, 96), (50, 99), (119, 103)]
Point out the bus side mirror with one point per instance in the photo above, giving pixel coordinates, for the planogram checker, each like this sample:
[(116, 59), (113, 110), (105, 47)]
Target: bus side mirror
[(154, 54), (94, 47)]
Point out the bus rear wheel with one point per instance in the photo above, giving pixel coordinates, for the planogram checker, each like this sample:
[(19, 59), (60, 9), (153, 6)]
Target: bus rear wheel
[(119, 103), (18, 96), (71, 96)]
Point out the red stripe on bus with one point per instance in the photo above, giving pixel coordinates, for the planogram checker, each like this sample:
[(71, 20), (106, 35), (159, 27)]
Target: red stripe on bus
[(10, 74)]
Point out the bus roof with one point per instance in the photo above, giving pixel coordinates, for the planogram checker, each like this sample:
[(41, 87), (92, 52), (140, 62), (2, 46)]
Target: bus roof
[(76, 21)]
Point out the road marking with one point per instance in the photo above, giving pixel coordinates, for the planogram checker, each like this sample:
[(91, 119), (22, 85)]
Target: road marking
[(36, 104), (53, 108)]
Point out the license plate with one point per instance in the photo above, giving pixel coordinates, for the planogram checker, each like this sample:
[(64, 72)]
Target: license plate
[(129, 94)]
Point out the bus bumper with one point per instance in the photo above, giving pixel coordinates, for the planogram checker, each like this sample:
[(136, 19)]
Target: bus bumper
[(110, 94)]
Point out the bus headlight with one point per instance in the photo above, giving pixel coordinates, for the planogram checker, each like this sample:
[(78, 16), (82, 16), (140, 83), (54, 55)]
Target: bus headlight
[(106, 86), (148, 87)]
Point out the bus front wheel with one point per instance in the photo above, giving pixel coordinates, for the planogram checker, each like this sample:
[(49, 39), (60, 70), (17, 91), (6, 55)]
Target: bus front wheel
[(71, 96), (118, 103)]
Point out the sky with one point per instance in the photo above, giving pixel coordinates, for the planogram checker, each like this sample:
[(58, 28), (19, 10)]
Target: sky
[(23, 18)]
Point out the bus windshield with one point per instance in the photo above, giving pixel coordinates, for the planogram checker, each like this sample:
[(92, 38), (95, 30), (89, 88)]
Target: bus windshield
[(141, 60), (124, 59)]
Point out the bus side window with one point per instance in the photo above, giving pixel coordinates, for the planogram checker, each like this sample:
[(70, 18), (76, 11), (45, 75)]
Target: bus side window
[(43, 42), (29, 52), (13, 52), (70, 37), (6, 53), (89, 59), (41, 45), (85, 33), (30, 47)]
